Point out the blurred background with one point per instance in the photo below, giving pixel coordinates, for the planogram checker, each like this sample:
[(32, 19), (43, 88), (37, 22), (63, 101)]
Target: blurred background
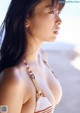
[(64, 55)]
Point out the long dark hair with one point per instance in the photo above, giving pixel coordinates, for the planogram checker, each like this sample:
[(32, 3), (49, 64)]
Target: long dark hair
[(15, 41)]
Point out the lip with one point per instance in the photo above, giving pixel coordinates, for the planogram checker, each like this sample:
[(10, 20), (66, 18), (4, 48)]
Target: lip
[(56, 30)]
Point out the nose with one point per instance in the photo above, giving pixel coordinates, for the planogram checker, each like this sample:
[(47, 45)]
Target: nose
[(58, 20)]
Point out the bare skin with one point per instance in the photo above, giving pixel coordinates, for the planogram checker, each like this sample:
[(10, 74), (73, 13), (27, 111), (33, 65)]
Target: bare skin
[(16, 88)]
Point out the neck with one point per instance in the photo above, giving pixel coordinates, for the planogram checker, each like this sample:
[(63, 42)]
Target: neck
[(32, 50)]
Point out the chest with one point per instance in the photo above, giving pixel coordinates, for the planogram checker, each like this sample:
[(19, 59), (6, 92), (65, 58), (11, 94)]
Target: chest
[(46, 82), (50, 85)]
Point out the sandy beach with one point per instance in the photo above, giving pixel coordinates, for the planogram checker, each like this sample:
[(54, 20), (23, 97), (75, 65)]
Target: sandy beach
[(63, 62)]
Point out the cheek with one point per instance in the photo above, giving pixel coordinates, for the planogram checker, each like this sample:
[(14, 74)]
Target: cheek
[(42, 27), (47, 21)]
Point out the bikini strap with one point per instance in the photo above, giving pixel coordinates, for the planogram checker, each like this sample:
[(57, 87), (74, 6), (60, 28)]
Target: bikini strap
[(39, 92), (46, 63)]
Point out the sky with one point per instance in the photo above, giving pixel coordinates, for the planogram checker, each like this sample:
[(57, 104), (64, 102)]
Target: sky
[(70, 15), (70, 30)]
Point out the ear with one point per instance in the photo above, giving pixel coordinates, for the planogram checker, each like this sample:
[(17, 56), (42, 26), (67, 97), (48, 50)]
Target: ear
[(27, 23)]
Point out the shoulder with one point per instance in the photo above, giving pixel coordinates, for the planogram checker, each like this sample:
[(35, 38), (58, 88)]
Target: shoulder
[(13, 78), (10, 76), (11, 90), (11, 82)]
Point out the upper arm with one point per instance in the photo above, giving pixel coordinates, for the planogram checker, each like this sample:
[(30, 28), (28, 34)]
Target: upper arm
[(11, 93)]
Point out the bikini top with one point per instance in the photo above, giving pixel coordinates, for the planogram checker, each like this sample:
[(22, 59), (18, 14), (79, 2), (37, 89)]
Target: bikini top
[(43, 105)]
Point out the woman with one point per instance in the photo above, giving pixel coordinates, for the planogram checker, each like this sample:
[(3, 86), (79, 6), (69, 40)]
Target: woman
[(27, 84)]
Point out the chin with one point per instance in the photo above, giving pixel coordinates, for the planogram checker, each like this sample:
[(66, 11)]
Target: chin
[(52, 39)]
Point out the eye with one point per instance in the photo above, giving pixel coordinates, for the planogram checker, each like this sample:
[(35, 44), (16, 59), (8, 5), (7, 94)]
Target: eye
[(52, 12), (59, 12)]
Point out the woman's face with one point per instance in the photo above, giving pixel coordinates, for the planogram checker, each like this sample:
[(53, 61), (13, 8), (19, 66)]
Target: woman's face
[(45, 22)]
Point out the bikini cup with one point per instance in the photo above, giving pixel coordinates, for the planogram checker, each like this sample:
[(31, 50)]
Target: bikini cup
[(42, 103)]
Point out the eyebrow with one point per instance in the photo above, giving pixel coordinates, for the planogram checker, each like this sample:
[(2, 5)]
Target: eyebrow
[(48, 6)]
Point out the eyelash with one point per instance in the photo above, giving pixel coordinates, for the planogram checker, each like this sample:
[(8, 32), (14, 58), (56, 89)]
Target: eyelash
[(52, 12)]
